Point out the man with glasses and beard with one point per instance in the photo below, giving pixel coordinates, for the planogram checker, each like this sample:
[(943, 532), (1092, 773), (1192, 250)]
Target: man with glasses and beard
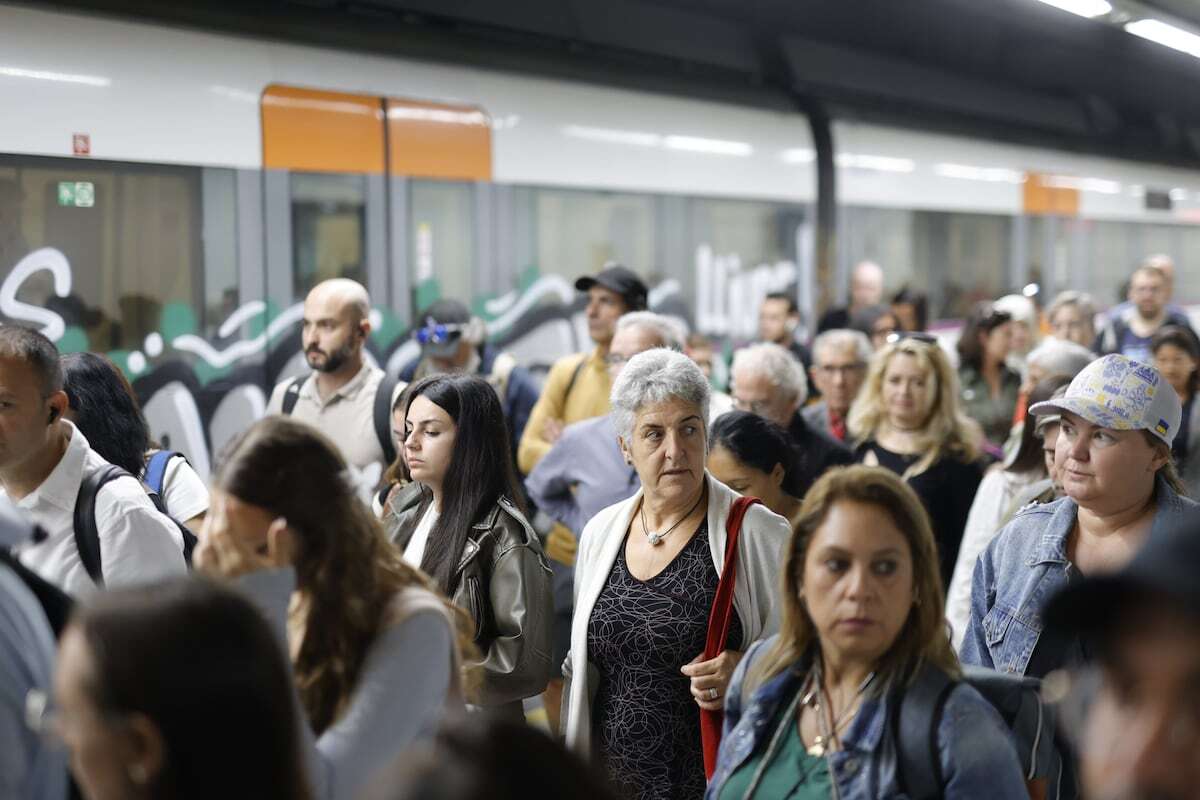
[(344, 394)]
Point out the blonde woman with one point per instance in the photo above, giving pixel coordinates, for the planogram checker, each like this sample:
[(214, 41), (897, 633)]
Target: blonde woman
[(808, 710), (907, 418)]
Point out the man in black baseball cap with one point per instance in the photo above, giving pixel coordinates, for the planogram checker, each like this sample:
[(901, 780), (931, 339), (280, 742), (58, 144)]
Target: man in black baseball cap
[(621, 280), (1137, 708)]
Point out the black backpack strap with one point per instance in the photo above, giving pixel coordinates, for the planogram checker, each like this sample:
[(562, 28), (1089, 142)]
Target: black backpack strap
[(56, 604), (917, 714), (574, 377), (87, 535), (383, 417), (290, 396)]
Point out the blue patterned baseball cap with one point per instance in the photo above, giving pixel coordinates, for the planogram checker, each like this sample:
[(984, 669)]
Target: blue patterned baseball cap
[(1121, 394)]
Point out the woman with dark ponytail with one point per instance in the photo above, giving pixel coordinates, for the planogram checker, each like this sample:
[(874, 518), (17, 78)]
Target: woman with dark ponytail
[(754, 457), (461, 522)]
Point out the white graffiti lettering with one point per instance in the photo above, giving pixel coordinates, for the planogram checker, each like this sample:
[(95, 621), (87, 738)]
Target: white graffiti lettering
[(724, 291), (47, 258)]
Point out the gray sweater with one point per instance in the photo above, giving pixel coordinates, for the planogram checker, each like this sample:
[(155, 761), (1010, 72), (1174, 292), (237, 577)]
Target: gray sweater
[(408, 684)]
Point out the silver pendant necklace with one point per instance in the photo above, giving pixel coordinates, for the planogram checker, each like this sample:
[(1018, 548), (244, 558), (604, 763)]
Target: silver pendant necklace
[(656, 539)]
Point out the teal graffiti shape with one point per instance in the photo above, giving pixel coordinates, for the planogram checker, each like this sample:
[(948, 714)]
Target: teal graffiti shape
[(177, 319), (389, 330), (73, 340), (428, 292)]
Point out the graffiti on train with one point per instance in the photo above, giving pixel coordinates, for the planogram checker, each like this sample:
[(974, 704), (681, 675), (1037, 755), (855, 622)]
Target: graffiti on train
[(200, 389)]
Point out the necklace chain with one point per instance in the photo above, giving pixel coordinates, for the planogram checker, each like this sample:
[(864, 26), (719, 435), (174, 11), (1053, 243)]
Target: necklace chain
[(656, 539), (823, 741)]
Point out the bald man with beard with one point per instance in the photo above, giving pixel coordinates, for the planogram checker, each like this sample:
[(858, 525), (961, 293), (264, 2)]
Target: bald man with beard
[(340, 396)]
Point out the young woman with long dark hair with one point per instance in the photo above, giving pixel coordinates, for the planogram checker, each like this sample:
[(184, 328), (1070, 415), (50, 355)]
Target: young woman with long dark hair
[(461, 521), (373, 647)]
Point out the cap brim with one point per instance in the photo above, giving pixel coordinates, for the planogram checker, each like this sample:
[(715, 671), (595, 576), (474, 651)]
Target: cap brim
[(1090, 410), (585, 283)]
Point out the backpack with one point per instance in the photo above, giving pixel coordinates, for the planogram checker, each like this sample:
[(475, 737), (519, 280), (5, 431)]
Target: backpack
[(1017, 698), (87, 535), (156, 476), (381, 411), (55, 603)]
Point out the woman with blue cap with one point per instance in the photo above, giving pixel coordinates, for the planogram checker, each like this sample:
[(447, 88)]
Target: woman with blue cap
[(1113, 454)]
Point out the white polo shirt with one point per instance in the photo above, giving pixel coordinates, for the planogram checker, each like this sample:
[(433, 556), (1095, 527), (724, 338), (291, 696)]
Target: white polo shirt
[(137, 544)]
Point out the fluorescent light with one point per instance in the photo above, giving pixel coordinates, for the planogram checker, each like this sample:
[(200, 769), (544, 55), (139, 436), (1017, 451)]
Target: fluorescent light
[(875, 163), (446, 116), (968, 172), (798, 155), (60, 77), (1166, 35), (697, 144), (1097, 185), (612, 136), (1179, 195), (233, 93), (1083, 8)]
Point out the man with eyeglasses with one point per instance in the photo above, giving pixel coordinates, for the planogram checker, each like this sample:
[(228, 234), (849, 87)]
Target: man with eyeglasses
[(840, 359), (453, 340), (768, 382), (345, 396), (1133, 714)]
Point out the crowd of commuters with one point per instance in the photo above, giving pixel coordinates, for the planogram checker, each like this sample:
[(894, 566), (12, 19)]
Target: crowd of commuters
[(760, 594)]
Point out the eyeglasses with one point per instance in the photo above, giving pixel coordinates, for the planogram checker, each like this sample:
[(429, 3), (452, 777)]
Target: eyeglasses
[(916, 336), (841, 369), (439, 333)]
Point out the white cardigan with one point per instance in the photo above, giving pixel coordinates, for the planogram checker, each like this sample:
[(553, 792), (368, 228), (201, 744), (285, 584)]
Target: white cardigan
[(760, 550)]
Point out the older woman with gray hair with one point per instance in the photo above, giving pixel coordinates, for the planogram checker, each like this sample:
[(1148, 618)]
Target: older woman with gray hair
[(646, 581)]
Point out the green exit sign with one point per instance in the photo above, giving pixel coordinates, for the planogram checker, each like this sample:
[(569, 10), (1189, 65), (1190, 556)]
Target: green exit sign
[(77, 194)]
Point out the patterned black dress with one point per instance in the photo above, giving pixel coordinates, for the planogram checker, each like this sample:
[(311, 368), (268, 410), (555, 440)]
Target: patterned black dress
[(647, 725)]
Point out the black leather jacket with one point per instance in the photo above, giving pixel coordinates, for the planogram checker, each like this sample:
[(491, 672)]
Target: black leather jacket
[(504, 584)]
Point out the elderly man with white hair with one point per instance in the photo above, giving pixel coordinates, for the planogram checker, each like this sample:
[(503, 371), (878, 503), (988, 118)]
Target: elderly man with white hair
[(640, 669), (768, 382), (840, 358), (584, 471)]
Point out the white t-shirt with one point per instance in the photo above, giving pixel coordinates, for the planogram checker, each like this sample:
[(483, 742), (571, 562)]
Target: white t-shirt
[(184, 493), (415, 550)]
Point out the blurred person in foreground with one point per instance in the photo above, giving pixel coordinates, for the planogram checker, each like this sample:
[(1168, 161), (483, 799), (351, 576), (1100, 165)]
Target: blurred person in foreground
[(491, 758), (840, 360), (809, 710), (1113, 454), (989, 388), (578, 385), (645, 585), (584, 473), (768, 382), (1135, 713), (907, 418), (1177, 356), (175, 691)]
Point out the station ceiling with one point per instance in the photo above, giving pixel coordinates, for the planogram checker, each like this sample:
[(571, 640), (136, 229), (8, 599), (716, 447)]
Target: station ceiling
[(1012, 70)]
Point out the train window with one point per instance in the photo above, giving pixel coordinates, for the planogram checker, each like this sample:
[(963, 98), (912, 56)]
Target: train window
[(328, 228), (129, 235), (442, 249), (576, 232)]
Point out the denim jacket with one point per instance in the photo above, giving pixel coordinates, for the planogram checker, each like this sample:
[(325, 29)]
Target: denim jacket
[(1023, 567), (976, 752)]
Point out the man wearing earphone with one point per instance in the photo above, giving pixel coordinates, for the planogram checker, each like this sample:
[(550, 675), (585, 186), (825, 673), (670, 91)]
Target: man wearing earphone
[(43, 462)]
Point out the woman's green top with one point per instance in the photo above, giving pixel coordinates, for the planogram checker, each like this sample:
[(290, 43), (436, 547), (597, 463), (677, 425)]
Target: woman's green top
[(789, 773)]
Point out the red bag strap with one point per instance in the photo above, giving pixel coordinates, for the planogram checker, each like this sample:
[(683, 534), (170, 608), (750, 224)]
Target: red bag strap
[(721, 615), (719, 620)]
